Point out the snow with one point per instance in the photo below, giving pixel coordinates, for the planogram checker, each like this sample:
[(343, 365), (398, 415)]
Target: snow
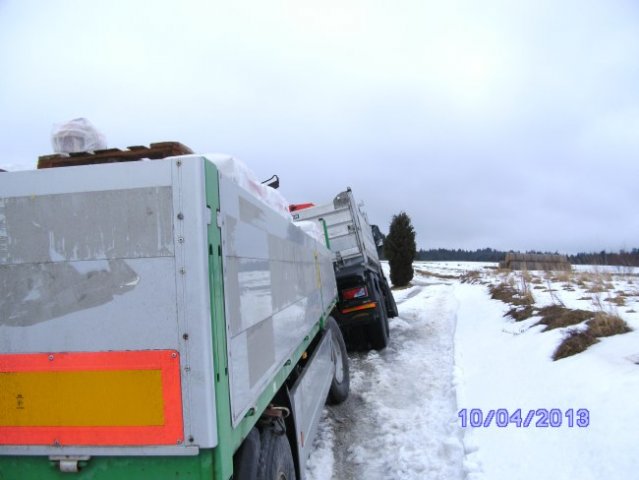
[(451, 349)]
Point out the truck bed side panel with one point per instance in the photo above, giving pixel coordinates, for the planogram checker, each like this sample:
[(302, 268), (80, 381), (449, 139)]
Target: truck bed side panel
[(350, 235), (95, 259), (278, 283)]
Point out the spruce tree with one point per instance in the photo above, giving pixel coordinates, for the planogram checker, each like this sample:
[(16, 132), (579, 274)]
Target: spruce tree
[(400, 249)]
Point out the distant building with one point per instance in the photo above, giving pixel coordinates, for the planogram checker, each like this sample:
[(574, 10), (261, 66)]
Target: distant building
[(535, 261)]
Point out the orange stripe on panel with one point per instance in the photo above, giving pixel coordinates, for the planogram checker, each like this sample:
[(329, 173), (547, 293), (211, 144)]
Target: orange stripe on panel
[(360, 307), (91, 398)]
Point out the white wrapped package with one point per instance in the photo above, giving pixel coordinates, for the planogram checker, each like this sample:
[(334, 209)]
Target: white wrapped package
[(313, 229), (237, 171), (77, 135)]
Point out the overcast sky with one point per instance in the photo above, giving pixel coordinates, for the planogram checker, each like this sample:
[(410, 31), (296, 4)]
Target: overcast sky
[(505, 124)]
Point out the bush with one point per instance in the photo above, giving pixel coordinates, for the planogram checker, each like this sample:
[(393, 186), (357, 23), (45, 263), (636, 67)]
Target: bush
[(400, 249)]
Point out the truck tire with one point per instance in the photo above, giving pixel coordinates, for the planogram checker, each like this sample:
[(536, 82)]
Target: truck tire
[(340, 385), (378, 332), (391, 305), (246, 459), (276, 459)]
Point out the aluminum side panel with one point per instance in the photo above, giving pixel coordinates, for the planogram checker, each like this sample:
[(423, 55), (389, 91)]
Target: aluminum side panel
[(278, 282), (193, 300), (309, 396), (95, 258)]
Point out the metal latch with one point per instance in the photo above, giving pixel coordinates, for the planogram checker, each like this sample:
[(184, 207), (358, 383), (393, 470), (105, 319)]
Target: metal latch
[(69, 463), (208, 215)]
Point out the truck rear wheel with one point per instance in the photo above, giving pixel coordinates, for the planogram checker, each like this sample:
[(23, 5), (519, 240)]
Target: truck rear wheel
[(391, 306), (276, 459), (378, 332), (246, 458), (341, 378)]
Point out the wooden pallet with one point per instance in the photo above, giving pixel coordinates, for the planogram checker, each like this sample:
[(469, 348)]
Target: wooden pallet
[(155, 151)]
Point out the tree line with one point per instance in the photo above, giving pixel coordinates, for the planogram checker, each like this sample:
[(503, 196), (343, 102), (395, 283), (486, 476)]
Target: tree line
[(399, 248), (622, 258)]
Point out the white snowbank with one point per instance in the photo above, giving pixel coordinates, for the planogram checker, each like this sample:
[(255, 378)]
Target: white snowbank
[(501, 363)]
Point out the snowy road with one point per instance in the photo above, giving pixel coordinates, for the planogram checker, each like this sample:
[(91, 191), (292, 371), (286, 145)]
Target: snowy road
[(401, 420)]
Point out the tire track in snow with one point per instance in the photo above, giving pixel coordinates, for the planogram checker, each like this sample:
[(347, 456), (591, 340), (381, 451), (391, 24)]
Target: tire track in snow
[(400, 420)]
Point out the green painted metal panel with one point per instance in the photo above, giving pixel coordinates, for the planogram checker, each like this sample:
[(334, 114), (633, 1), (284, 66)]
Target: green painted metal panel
[(198, 467), (223, 454)]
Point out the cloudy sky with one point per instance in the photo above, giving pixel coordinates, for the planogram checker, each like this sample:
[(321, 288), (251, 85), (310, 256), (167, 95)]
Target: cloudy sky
[(505, 124)]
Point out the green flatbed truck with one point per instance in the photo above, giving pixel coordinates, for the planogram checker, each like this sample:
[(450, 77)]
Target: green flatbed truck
[(159, 320)]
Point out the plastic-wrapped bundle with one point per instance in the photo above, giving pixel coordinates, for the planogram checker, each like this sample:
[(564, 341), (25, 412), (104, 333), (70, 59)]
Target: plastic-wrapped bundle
[(237, 171), (77, 135)]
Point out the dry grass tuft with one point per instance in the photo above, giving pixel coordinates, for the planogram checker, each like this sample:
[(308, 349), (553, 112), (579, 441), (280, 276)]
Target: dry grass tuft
[(502, 292), (560, 276), (601, 325), (472, 276), (509, 294), (619, 300), (557, 316), (574, 342), (597, 288), (521, 313), (606, 325)]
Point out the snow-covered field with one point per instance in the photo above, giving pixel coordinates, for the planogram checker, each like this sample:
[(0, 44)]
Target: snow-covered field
[(452, 348)]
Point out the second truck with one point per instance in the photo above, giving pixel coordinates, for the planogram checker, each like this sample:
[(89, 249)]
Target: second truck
[(365, 302)]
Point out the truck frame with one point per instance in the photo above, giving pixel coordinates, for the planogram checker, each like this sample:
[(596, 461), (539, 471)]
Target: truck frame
[(159, 321), (365, 301)]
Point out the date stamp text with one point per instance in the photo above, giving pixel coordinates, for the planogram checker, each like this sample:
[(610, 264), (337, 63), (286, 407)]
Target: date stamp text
[(539, 418)]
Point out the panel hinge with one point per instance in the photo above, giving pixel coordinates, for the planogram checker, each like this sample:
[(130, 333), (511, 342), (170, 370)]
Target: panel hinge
[(69, 463)]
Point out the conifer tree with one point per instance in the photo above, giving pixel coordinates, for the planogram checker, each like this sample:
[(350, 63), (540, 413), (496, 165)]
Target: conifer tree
[(400, 249)]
